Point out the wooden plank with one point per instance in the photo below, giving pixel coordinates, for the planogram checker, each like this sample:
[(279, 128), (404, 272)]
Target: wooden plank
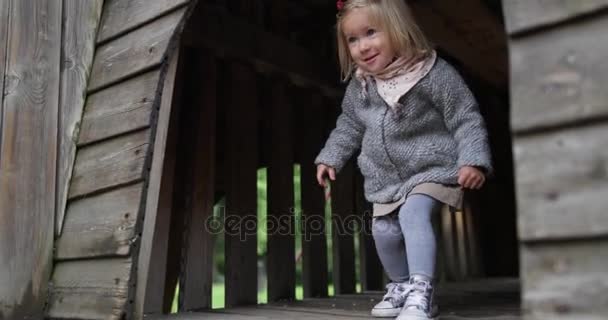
[(80, 19), (101, 225), (314, 240), (280, 218), (110, 163), (4, 28), (90, 289), (196, 278), (119, 109), (470, 33), (524, 15), (342, 206), (555, 79), (151, 262), (135, 52), (369, 264), (28, 154), (241, 187), (565, 280), (561, 183), (120, 16)]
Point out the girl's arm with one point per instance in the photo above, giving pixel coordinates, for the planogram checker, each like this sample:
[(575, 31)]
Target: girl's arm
[(463, 120), (346, 137)]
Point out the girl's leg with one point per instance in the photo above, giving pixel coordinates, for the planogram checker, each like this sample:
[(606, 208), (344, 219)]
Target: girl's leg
[(415, 218), (391, 250), (390, 247)]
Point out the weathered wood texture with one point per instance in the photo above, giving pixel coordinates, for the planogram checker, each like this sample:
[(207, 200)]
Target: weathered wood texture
[(280, 217), (154, 236), (110, 164), (342, 205), (196, 277), (4, 27), (558, 75), (523, 15), (565, 280), (469, 32), (28, 153), (80, 20), (121, 16), (90, 289), (101, 225), (314, 236), (241, 186), (562, 183), (119, 109), (137, 51)]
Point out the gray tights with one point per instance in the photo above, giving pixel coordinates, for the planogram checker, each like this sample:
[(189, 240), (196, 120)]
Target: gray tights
[(406, 241)]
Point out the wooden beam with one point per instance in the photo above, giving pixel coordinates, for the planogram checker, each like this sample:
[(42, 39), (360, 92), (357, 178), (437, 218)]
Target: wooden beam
[(280, 217), (196, 278), (241, 186), (121, 16), (4, 41), (369, 263), (214, 28), (152, 259), (80, 26), (28, 154), (526, 15), (314, 241), (469, 32)]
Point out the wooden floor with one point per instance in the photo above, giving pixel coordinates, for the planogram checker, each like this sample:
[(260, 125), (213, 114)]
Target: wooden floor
[(496, 299)]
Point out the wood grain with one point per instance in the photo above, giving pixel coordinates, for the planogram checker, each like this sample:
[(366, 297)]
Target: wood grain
[(102, 225), (137, 51), (28, 154), (90, 289), (120, 16), (119, 109), (523, 15), (557, 76), (562, 182), (110, 163), (80, 20)]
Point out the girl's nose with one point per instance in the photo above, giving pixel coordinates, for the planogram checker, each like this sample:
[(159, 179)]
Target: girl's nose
[(363, 45)]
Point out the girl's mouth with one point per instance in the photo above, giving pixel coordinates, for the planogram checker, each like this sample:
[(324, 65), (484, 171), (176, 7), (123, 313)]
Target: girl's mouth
[(370, 59)]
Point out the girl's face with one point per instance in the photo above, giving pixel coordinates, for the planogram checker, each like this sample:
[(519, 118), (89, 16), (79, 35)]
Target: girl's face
[(368, 44)]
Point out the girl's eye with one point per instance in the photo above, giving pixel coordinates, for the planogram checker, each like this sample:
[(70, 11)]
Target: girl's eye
[(371, 32), (351, 39)]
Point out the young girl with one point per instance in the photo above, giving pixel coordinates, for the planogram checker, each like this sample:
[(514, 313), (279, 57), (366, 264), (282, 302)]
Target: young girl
[(421, 137)]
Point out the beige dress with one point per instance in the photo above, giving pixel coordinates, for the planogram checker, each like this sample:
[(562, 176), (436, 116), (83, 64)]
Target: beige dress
[(450, 195)]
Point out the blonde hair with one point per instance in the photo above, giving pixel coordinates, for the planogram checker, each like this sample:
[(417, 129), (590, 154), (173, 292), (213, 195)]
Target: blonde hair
[(395, 18)]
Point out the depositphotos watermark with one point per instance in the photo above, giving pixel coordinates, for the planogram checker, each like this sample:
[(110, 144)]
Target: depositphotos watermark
[(309, 225)]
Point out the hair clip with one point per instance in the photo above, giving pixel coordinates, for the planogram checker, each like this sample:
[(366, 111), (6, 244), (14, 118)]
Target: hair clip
[(340, 4)]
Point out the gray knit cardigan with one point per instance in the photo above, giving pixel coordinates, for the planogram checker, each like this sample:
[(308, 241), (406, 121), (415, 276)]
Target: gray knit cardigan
[(436, 130)]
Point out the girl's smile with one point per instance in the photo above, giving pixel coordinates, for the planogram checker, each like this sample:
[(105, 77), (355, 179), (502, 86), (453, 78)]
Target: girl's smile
[(368, 44)]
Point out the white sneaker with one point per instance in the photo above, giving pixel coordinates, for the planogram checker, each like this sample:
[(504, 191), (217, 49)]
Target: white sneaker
[(420, 303), (393, 300)]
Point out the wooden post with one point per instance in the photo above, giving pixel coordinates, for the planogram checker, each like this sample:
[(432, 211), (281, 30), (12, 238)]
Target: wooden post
[(280, 219), (153, 248), (196, 277), (370, 268), (28, 153), (314, 241), (241, 186)]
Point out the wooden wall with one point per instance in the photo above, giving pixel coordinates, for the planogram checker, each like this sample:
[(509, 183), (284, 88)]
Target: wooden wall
[(44, 63), (558, 58)]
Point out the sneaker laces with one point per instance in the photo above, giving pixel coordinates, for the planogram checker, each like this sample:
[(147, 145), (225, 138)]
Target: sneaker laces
[(418, 297), (396, 292)]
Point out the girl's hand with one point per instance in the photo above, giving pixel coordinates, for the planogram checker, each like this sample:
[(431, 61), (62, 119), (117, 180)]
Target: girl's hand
[(470, 177), (323, 170)]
